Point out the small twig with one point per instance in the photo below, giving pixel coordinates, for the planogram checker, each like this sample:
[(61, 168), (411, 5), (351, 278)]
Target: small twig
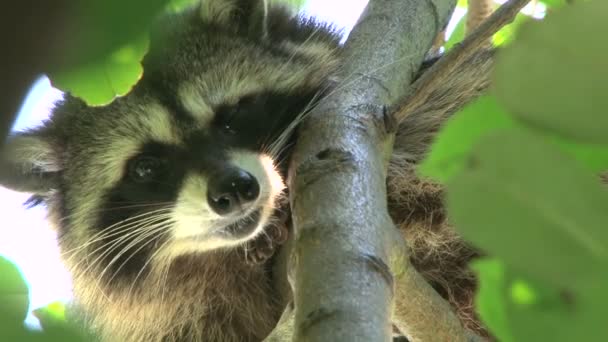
[(434, 77), (438, 43), (478, 12)]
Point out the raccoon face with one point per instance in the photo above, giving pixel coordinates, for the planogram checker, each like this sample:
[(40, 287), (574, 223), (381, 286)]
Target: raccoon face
[(193, 158)]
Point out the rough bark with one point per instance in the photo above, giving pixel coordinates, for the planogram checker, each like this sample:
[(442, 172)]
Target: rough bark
[(346, 246)]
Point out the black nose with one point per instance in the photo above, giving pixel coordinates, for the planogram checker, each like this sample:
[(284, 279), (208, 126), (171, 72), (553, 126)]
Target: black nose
[(229, 191)]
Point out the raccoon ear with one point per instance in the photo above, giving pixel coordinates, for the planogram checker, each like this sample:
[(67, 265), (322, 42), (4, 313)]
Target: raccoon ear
[(243, 15), (28, 163)]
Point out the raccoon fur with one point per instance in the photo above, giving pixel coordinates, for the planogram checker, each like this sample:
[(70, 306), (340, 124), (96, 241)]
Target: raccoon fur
[(170, 201)]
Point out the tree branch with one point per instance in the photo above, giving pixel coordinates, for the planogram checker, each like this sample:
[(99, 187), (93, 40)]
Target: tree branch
[(436, 76), (345, 242), (421, 314)]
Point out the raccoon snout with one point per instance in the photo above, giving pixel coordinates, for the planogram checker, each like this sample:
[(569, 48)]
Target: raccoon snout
[(229, 192)]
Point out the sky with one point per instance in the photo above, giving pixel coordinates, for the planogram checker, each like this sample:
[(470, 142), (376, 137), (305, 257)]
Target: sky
[(25, 238)]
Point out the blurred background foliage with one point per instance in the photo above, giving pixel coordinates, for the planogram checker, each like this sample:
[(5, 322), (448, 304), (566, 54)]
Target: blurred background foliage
[(521, 165), (106, 53), (522, 168)]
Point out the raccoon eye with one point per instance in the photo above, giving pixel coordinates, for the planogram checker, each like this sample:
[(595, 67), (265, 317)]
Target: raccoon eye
[(144, 169), (228, 120), (226, 117)]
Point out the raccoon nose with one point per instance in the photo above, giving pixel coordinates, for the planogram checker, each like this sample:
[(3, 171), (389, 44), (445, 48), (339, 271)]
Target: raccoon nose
[(230, 191)]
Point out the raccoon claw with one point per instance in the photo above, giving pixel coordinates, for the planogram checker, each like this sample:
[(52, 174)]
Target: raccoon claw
[(260, 252), (262, 248)]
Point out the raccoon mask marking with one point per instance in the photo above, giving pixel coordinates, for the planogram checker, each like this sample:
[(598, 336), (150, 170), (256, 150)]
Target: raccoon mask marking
[(184, 170)]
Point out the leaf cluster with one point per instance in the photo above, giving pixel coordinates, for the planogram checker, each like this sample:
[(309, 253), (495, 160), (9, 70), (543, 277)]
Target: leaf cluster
[(522, 165), (14, 304)]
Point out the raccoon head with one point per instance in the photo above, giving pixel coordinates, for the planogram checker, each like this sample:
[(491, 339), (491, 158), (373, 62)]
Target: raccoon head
[(191, 159)]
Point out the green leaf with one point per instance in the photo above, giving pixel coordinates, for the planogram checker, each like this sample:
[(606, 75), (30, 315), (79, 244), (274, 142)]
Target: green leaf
[(14, 302), (555, 75), (492, 304), (55, 326), (553, 3), (51, 315), (595, 157), (14, 293), (549, 313), (524, 201), (179, 5), (103, 47), (97, 28), (448, 154), (100, 81), (506, 34), (518, 308), (458, 34)]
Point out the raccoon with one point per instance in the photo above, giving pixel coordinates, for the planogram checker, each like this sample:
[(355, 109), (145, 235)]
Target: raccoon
[(169, 202)]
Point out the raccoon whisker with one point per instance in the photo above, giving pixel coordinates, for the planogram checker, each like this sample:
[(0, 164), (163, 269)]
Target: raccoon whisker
[(99, 258), (143, 233), (164, 280), (291, 127), (142, 205), (103, 293), (148, 231), (117, 242), (135, 231), (81, 248), (114, 229), (63, 218), (157, 252), (275, 147), (166, 208), (280, 141), (151, 233), (283, 156), (348, 80)]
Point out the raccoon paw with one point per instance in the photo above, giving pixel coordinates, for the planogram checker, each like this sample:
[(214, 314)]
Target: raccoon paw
[(263, 247)]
